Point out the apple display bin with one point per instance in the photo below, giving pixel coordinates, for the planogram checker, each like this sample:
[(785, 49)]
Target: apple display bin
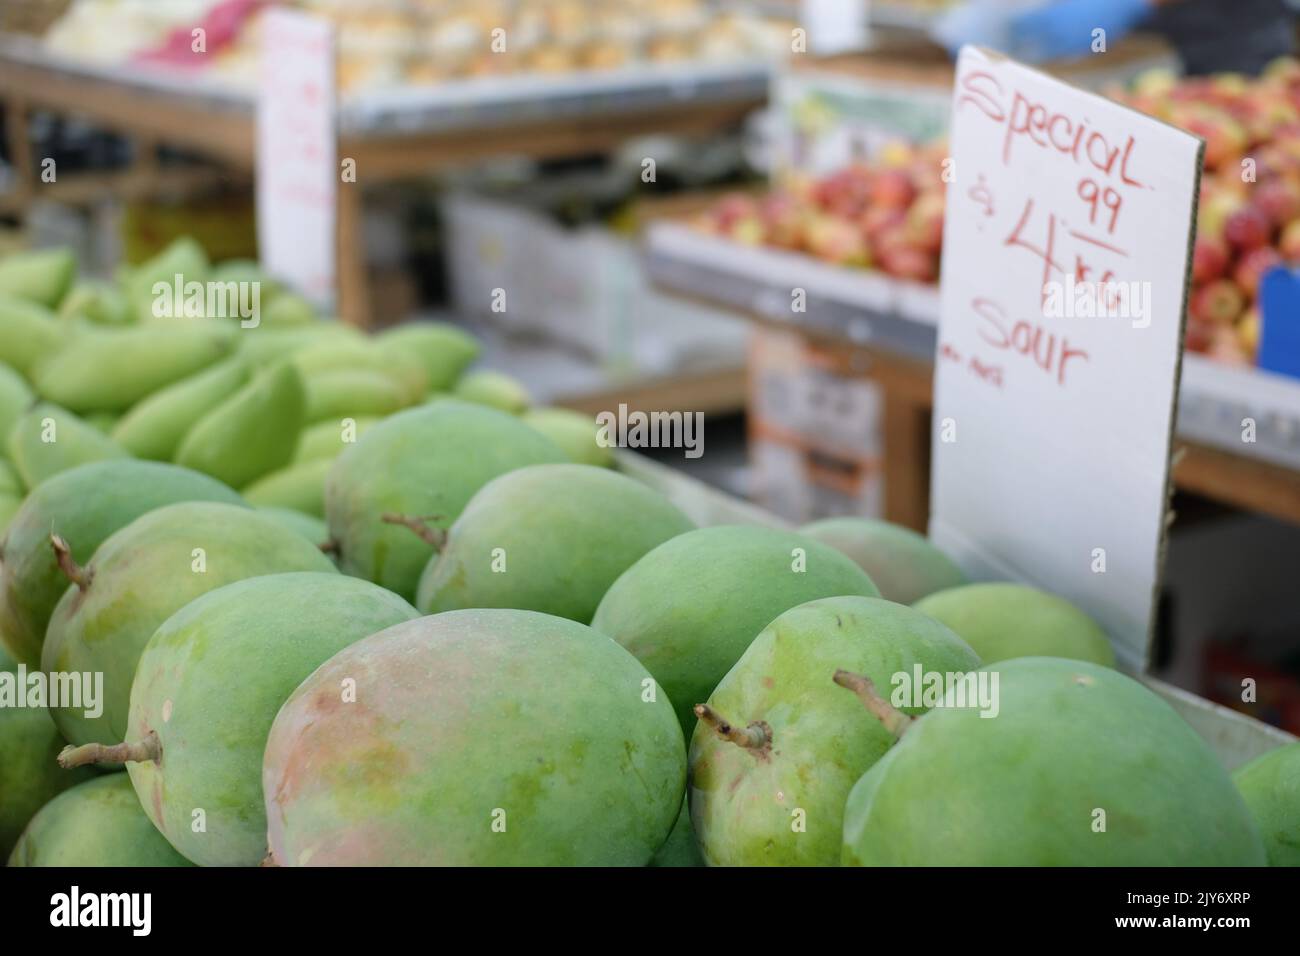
[(1234, 737)]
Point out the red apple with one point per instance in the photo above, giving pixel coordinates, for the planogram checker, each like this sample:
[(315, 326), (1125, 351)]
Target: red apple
[(837, 241), (1199, 334), (1219, 302), (1209, 259), (909, 262), (1247, 228), (893, 188), (1252, 266), (878, 219), (1279, 200), (924, 223)]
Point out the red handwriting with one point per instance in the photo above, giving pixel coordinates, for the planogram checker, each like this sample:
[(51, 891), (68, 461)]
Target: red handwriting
[(1050, 352)]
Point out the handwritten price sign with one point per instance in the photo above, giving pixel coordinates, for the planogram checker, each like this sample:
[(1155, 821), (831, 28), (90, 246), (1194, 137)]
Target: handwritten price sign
[(297, 172), (1065, 262)]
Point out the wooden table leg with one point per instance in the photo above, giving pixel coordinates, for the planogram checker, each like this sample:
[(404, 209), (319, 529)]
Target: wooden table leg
[(350, 268), (17, 130)]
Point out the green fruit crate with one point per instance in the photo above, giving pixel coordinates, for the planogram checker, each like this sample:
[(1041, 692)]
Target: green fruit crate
[(1235, 737)]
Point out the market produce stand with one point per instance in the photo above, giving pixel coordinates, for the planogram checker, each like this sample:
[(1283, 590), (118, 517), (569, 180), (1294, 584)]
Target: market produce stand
[(390, 136), (892, 325)]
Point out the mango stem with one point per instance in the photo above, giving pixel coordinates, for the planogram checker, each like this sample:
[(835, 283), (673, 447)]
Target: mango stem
[(757, 736), (144, 751), (72, 570), (434, 537), (894, 720)]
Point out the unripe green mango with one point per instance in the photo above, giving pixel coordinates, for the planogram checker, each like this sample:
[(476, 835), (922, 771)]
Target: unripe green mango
[(266, 345), (781, 803), (197, 731), (309, 526), (1270, 785), (338, 393), (548, 538), (43, 276), (109, 370), (297, 486), (11, 497), (330, 438), (288, 310), (248, 270), (29, 335), (49, 439), (477, 738), (680, 849), (83, 505), (15, 398), (250, 434), (445, 350), (142, 574), (155, 427), (101, 303), (574, 432), (1071, 741), (96, 823), (1003, 621), (905, 565), (404, 371), (690, 608), (29, 775), (494, 389), (183, 257), (425, 462)]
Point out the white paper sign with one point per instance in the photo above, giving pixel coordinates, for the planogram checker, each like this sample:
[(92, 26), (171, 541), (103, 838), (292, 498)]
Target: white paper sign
[(297, 170), (835, 26), (1065, 263)]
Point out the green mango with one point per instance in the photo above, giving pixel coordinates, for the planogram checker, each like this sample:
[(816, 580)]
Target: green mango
[(680, 849), (247, 270), (309, 526), (689, 608), (341, 393), (103, 422), (548, 538), (905, 565), (1002, 621), (494, 389), (48, 440), (404, 372), (142, 574), (29, 775), (1082, 766), (1270, 785), (288, 310), (445, 350), (328, 439), (197, 733), (96, 823), (773, 794), (43, 276), (425, 462), (15, 398), (297, 486), (144, 358), (250, 434), (476, 738), (182, 257), (155, 427), (266, 345), (100, 303), (572, 431), (29, 335), (83, 505)]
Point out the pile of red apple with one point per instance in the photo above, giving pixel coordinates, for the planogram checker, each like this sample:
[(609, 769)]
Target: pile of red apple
[(1249, 219), (888, 214)]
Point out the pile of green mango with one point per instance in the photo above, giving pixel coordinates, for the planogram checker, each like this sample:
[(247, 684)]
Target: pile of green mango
[(276, 592)]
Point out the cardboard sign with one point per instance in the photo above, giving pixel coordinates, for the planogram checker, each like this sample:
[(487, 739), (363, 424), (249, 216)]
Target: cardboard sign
[(297, 170), (1065, 271)]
